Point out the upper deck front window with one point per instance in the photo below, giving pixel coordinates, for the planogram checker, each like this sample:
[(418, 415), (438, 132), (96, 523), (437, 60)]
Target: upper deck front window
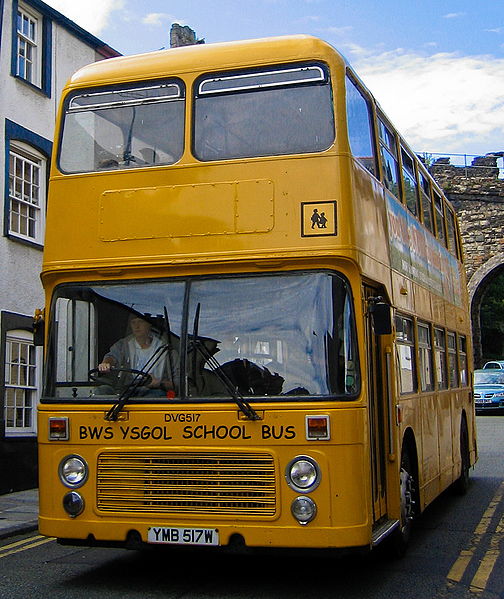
[(123, 128), (263, 113)]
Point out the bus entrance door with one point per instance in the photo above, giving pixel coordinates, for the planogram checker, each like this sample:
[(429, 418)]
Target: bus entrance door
[(377, 419)]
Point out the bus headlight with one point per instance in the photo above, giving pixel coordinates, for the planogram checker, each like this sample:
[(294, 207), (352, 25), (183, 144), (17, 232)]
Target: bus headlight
[(73, 471), (303, 474), (304, 509)]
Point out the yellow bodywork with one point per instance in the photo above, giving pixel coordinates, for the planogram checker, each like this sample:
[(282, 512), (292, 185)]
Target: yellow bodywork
[(233, 216)]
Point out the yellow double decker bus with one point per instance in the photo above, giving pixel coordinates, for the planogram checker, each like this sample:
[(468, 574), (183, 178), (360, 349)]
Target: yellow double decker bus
[(257, 325)]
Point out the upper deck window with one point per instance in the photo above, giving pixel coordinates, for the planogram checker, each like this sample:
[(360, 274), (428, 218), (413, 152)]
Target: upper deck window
[(122, 128), (440, 219), (262, 80), (360, 126), (451, 228), (389, 159), (409, 182), (425, 193), (263, 113)]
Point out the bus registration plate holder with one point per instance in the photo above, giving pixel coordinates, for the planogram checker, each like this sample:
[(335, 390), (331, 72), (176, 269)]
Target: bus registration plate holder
[(183, 536)]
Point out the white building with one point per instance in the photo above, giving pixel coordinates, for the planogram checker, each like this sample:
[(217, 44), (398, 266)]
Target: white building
[(39, 51)]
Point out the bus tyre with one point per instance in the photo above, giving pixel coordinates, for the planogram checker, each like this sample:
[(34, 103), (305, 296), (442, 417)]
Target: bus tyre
[(461, 485), (407, 489)]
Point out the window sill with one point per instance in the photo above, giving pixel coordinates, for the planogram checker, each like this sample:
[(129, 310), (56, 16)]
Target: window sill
[(33, 86), (34, 244), (13, 434)]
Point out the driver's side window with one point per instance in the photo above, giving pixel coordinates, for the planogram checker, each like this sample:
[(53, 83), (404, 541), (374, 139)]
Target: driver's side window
[(75, 331)]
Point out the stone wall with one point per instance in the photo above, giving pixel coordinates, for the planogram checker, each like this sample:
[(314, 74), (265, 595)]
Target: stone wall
[(182, 35), (477, 195)]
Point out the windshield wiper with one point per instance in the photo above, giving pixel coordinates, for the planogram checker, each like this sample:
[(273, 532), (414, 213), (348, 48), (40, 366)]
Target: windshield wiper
[(169, 346), (127, 155), (246, 409), (135, 384)]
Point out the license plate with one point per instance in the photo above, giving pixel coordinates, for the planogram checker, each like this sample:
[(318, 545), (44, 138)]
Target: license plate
[(183, 536)]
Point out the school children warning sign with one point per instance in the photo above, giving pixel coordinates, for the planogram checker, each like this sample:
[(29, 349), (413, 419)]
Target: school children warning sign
[(318, 218)]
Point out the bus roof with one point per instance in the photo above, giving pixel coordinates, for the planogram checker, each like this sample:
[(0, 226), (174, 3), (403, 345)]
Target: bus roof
[(204, 57)]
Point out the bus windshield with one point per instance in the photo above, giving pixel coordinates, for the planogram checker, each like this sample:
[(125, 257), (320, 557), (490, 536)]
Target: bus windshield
[(259, 336), (123, 128)]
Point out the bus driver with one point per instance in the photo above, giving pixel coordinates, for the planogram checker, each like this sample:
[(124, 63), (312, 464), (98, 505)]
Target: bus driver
[(140, 349)]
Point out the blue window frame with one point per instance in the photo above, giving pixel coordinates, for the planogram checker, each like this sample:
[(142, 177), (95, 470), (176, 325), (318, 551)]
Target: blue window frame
[(31, 46), (40, 146)]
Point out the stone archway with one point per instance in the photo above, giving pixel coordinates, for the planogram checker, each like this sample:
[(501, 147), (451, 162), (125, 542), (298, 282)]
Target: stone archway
[(477, 287), (477, 194)]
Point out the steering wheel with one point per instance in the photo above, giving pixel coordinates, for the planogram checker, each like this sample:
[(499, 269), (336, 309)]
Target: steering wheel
[(113, 376)]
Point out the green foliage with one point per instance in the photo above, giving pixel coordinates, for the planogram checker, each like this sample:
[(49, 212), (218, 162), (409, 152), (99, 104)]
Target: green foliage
[(492, 320)]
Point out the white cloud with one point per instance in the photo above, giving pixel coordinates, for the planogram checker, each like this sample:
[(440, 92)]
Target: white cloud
[(339, 30), (92, 15), (440, 103), (160, 18), (309, 19), (454, 15)]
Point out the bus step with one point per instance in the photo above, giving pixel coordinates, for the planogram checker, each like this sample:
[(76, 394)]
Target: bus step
[(381, 531)]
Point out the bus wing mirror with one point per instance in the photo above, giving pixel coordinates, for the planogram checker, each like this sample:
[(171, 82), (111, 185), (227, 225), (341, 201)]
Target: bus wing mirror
[(381, 316), (38, 328)]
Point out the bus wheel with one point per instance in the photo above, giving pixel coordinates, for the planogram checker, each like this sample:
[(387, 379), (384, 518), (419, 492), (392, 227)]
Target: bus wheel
[(461, 485), (407, 489)]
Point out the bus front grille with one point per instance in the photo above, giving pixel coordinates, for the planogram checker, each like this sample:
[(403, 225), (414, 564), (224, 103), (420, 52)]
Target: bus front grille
[(169, 482)]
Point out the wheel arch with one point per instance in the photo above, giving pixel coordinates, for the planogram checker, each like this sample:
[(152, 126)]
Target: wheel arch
[(409, 445)]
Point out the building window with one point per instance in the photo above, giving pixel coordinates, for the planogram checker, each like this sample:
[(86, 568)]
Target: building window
[(28, 53), (26, 194), (31, 59), (20, 383)]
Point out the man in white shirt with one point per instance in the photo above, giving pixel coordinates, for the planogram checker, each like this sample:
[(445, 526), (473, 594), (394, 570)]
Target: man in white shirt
[(136, 350)]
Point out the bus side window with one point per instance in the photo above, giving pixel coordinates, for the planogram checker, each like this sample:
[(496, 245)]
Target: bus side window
[(452, 232), (462, 355), (409, 182), (440, 357), (406, 354), (452, 360), (389, 159), (425, 194), (360, 130), (425, 357), (440, 220)]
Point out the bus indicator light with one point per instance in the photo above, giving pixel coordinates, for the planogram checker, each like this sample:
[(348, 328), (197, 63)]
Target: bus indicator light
[(317, 428), (58, 429)]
